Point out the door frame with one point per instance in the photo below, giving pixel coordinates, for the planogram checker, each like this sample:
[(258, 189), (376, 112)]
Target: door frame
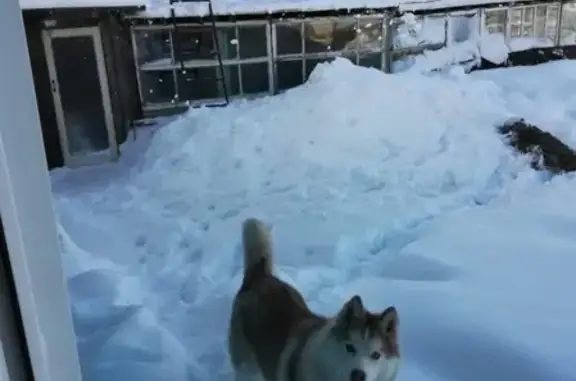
[(91, 159), (28, 219)]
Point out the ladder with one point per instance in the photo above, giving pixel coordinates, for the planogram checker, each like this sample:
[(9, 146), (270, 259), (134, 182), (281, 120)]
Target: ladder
[(176, 41)]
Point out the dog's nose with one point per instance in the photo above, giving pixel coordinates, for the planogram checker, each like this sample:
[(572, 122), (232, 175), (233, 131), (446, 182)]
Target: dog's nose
[(357, 375)]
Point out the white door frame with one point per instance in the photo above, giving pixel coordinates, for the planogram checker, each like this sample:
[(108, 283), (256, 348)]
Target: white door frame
[(28, 215), (94, 32)]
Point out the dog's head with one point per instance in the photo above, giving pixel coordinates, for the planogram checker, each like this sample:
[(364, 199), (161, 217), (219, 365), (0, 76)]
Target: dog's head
[(364, 345)]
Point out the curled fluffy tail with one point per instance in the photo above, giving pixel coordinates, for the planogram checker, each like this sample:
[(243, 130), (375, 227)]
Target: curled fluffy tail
[(257, 248)]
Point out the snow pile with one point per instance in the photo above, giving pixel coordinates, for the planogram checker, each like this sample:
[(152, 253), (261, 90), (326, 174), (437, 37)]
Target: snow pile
[(518, 44), (465, 54), (394, 186), (493, 48)]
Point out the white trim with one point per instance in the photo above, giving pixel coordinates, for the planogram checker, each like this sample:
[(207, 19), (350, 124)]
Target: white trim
[(112, 152), (28, 216), (137, 64)]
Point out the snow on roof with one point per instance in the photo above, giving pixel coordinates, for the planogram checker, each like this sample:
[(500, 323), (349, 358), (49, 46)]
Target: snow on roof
[(50, 4), (161, 8)]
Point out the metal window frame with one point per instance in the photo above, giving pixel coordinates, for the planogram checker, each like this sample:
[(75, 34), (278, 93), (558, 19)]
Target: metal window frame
[(134, 29), (507, 9), (304, 56), (196, 64), (417, 49), (484, 24)]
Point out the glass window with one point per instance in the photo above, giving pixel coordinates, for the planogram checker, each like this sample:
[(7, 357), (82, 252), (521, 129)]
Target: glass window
[(253, 42), (568, 31), (153, 47), (157, 86), (329, 35), (416, 31), (540, 21), (311, 64), (463, 27), (197, 43), (289, 74), (202, 83), (255, 78), (495, 21), (288, 39), (515, 22), (552, 14), (528, 22), (369, 33), (371, 60)]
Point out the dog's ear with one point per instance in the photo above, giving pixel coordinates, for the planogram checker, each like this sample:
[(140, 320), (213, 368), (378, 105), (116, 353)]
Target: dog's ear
[(389, 321), (352, 310)]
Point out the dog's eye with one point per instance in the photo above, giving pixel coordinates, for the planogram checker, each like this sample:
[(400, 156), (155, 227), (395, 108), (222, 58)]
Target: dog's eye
[(375, 355), (350, 349)]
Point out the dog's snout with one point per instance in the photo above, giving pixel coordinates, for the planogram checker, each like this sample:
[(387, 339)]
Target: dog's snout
[(357, 375)]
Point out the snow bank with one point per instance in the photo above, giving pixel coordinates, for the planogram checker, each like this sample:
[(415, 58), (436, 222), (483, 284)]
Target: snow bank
[(394, 186), (465, 54)]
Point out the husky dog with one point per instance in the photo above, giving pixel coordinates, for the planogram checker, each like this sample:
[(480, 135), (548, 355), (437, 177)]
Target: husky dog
[(273, 335)]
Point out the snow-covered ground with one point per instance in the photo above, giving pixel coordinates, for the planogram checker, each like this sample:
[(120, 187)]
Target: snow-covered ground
[(395, 187)]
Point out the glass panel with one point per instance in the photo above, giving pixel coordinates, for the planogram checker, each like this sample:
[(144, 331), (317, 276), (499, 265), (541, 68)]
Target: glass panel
[(528, 15), (197, 43), (370, 33), (515, 22), (329, 35), (540, 21), (463, 27), (289, 74), (515, 16), (496, 21), (417, 30), (350, 56), (202, 83), (568, 33), (312, 62), (552, 21), (515, 30), (157, 86), (153, 47), (371, 60), (255, 78), (80, 94), (288, 38), (253, 42), (528, 22)]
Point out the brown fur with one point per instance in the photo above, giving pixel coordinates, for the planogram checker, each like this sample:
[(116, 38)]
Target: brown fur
[(281, 310), (266, 310)]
